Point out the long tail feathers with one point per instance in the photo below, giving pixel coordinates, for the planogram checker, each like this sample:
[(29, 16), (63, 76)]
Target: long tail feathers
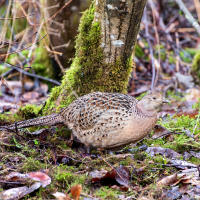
[(40, 121)]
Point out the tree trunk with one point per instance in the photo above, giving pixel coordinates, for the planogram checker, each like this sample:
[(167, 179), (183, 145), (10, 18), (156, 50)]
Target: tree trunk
[(103, 62), (63, 28)]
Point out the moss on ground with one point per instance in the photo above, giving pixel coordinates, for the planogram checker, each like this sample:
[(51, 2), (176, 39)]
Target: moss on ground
[(45, 154), (29, 111)]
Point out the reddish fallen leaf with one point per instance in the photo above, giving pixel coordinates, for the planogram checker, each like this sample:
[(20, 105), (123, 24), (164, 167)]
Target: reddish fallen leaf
[(188, 176), (39, 179), (160, 131), (192, 113), (168, 180), (122, 188), (120, 175), (76, 191)]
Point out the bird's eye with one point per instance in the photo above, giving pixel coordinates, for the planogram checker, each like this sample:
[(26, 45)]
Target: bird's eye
[(154, 98)]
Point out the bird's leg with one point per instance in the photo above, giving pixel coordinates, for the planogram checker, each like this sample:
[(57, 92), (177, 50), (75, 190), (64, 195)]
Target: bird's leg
[(87, 149)]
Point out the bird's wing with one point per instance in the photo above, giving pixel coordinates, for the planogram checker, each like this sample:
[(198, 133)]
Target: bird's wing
[(96, 108)]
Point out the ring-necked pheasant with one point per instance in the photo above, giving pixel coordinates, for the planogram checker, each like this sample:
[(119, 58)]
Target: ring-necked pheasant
[(104, 120)]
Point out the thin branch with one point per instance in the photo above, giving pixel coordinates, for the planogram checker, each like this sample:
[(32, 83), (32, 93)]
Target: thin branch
[(54, 15), (150, 49), (188, 15), (2, 55), (30, 74), (197, 6), (12, 18)]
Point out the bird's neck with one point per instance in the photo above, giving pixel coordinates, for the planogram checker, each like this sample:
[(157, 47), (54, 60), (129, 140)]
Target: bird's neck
[(146, 111)]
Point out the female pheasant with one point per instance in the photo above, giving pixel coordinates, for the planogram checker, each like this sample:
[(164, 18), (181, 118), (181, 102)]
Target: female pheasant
[(104, 120)]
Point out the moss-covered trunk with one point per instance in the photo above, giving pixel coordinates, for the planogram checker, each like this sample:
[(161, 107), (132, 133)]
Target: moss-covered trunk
[(104, 45)]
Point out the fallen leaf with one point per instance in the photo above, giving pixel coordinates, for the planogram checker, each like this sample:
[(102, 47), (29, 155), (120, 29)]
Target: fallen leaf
[(61, 196), (160, 132), (39, 179), (120, 175), (181, 164), (168, 180), (169, 153), (76, 191)]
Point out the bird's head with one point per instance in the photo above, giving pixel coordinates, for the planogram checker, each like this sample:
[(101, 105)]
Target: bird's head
[(152, 102)]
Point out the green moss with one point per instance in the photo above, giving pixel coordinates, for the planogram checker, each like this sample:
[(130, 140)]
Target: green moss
[(32, 164), (64, 175), (3, 69), (107, 193), (127, 161), (196, 67), (20, 25), (25, 112), (171, 94), (88, 72), (172, 58), (139, 52), (185, 56), (41, 62), (161, 49), (4, 118), (194, 160), (29, 111)]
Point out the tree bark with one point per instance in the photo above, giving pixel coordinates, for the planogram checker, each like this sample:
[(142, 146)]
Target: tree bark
[(103, 61)]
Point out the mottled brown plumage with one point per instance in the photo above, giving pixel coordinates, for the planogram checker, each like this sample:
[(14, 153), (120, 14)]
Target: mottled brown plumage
[(104, 120)]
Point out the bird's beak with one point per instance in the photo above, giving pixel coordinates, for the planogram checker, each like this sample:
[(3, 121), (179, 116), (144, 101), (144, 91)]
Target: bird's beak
[(165, 101)]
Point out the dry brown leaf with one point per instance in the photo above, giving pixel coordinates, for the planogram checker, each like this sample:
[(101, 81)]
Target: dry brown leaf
[(76, 191), (168, 180)]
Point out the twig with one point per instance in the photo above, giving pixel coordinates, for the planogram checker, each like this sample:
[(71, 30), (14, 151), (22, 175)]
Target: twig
[(10, 71), (156, 17), (12, 18), (30, 74), (150, 49), (188, 15), (5, 25), (22, 48), (54, 15), (177, 53), (197, 6), (35, 41)]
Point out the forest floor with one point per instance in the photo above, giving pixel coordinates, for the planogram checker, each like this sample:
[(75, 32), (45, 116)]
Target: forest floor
[(165, 165)]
